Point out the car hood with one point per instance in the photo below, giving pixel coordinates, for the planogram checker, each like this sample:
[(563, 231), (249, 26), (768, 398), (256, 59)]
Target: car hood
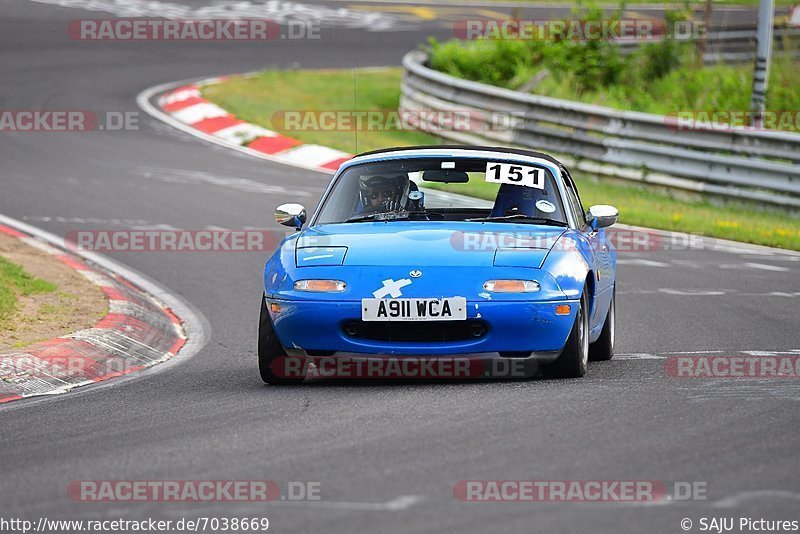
[(431, 243)]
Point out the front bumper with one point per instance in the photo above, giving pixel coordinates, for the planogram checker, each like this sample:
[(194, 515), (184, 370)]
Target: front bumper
[(526, 329)]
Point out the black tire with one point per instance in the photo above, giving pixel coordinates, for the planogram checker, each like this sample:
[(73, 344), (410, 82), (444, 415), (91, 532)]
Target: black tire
[(269, 350), (603, 349), (573, 360)]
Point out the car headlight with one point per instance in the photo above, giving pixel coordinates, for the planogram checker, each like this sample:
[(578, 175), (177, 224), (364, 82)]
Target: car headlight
[(320, 286), (511, 286)]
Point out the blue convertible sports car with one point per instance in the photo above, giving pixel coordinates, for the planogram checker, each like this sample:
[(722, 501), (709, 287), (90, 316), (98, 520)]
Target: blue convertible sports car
[(398, 261)]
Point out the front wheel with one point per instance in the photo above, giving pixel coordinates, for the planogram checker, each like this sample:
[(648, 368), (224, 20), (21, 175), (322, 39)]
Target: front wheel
[(270, 351), (603, 348), (574, 357)]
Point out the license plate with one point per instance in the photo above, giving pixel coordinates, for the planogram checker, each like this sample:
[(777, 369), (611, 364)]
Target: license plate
[(445, 309)]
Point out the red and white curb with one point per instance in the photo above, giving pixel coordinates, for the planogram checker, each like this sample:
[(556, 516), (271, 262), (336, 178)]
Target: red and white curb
[(185, 105), (139, 331)]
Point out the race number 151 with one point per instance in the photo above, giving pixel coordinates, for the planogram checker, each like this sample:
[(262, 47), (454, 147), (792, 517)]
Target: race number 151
[(509, 173)]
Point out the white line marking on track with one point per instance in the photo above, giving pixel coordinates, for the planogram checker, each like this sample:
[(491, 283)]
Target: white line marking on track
[(84, 220), (692, 292), (687, 263), (638, 356), (403, 502), (642, 262), (728, 292), (695, 352), (739, 498), (732, 266), (771, 352), (772, 258), (766, 267), (662, 355), (190, 177)]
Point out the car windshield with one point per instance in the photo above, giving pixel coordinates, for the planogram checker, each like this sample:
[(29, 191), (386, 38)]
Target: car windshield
[(437, 188)]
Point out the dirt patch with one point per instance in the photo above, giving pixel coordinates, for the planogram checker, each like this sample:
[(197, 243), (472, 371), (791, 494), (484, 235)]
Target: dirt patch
[(75, 304)]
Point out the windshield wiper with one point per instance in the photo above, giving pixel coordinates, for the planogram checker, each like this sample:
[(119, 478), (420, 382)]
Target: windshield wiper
[(521, 217), (359, 218), (381, 216)]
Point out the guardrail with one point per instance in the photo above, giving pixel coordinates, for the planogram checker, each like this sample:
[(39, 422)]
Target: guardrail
[(747, 164), (738, 44)]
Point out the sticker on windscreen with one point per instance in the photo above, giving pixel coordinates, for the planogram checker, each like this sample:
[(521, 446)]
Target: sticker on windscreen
[(545, 206), (513, 174)]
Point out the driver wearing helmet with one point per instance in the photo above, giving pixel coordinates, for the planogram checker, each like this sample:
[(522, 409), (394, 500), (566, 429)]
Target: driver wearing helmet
[(382, 194)]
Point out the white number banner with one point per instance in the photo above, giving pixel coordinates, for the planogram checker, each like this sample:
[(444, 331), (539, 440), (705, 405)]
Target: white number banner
[(511, 173)]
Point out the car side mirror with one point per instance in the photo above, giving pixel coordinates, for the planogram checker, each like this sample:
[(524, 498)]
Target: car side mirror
[(293, 215), (601, 216)]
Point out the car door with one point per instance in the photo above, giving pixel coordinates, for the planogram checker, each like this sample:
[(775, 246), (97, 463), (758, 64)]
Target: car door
[(599, 254)]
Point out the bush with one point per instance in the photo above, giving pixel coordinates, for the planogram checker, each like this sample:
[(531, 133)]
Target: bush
[(509, 63), (494, 62), (659, 77)]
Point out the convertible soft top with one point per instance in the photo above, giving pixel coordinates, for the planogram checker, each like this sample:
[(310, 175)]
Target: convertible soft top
[(506, 150)]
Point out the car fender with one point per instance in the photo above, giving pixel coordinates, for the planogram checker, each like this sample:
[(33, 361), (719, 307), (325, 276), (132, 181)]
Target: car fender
[(569, 264), (277, 268)]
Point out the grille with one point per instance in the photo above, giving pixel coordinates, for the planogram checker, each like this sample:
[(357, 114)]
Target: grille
[(427, 331)]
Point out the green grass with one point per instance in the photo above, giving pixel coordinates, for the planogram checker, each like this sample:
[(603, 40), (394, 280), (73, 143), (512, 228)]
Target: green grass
[(716, 88), (658, 79), (256, 99), (14, 281)]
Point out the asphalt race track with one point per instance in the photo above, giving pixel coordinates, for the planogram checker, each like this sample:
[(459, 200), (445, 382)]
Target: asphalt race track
[(386, 455)]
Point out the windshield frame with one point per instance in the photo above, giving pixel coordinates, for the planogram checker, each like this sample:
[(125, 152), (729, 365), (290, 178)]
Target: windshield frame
[(505, 157)]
